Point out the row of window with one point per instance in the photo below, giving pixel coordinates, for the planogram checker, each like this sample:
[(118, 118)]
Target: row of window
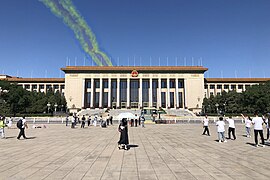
[(226, 86), (145, 82), (34, 86)]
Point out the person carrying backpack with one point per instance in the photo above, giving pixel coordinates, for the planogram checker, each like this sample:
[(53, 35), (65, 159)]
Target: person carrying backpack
[(21, 124)]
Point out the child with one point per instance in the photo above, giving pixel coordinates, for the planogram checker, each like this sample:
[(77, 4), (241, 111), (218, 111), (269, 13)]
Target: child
[(221, 130)]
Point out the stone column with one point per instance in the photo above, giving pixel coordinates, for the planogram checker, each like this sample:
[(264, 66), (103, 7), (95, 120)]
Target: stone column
[(83, 93), (100, 93), (128, 93), (150, 93), (109, 92), (159, 93), (168, 93), (177, 93), (140, 93), (92, 93), (185, 94), (118, 93)]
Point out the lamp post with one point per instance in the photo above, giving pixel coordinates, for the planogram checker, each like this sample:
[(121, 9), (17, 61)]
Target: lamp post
[(49, 106), (55, 107), (217, 105)]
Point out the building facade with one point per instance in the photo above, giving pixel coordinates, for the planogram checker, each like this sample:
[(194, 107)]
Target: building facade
[(134, 87), (126, 87)]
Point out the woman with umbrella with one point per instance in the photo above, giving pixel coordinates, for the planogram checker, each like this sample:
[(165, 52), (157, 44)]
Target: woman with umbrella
[(123, 129)]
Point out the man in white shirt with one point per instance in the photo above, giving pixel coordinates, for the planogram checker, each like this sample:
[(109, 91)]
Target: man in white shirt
[(231, 128), (221, 130), (205, 125), (258, 128)]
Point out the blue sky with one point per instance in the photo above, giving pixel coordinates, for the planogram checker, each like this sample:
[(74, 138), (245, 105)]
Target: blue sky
[(230, 37)]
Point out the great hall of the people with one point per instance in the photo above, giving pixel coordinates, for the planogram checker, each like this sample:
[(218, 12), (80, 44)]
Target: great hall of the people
[(124, 87)]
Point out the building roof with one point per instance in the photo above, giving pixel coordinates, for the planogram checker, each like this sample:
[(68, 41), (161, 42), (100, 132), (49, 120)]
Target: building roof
[(36, 80), (119, 69), (236, 80)]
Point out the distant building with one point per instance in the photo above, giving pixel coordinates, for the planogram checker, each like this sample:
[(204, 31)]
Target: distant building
[(124, 87)]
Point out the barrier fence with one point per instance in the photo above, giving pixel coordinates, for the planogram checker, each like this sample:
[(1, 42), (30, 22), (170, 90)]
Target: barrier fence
[(163, 120)]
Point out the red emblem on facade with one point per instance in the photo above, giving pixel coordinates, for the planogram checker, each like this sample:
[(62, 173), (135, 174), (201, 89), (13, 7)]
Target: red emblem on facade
[(134, 73)]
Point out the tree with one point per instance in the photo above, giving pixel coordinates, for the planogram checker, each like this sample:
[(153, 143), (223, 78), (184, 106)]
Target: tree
[(18, 100), (255, 98)]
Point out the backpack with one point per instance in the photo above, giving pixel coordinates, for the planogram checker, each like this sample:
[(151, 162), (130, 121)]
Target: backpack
[(19, 124)]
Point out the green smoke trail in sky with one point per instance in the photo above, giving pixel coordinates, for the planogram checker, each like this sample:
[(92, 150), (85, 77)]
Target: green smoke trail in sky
[(65, 10)]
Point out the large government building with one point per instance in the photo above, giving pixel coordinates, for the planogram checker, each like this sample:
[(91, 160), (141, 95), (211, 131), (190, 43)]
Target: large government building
[(125, 87)]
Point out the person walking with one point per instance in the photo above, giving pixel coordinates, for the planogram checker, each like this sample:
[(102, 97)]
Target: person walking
[(123, 129), (67, 120), (73, 121), (205, 126), (266, 121), (248, 123), (142, 119), (88, 121), (108, 119), (136, 120), (231, 128), (9, 122), (258, 128), (83, 121), (21, 124), (2, 127), (111, 118), (221, 130)]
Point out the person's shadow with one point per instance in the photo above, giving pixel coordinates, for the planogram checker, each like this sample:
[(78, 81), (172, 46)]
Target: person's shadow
[(133, 146), (10, 137)]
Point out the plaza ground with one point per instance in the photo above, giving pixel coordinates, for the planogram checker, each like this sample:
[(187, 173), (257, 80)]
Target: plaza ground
[(157, 152)]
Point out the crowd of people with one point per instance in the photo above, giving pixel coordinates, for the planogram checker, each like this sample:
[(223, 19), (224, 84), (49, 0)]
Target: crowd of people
[(257, 122), (84, 121)]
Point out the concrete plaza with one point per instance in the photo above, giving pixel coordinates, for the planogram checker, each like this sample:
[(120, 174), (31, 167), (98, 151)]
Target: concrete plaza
[(157, 152)]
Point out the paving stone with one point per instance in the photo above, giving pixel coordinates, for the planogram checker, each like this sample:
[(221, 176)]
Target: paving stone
[(157, 152)]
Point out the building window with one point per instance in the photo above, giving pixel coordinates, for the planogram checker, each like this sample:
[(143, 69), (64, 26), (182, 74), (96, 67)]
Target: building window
[(180, 83), (233, 87), (105, 83), (240, 86), (218, 93), (134, 90), (145, 90), (27, 86), (154, 90), (211, 94), (205, 86), (163, 83), (172, 83), (123, 90), (88, 83), (226, 86), (163, 99), (212, 86), (97, 83), (219, 86)]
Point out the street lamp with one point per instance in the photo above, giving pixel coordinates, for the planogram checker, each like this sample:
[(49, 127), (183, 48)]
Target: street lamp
[(217, 105), (55, 107), (49, 106)]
